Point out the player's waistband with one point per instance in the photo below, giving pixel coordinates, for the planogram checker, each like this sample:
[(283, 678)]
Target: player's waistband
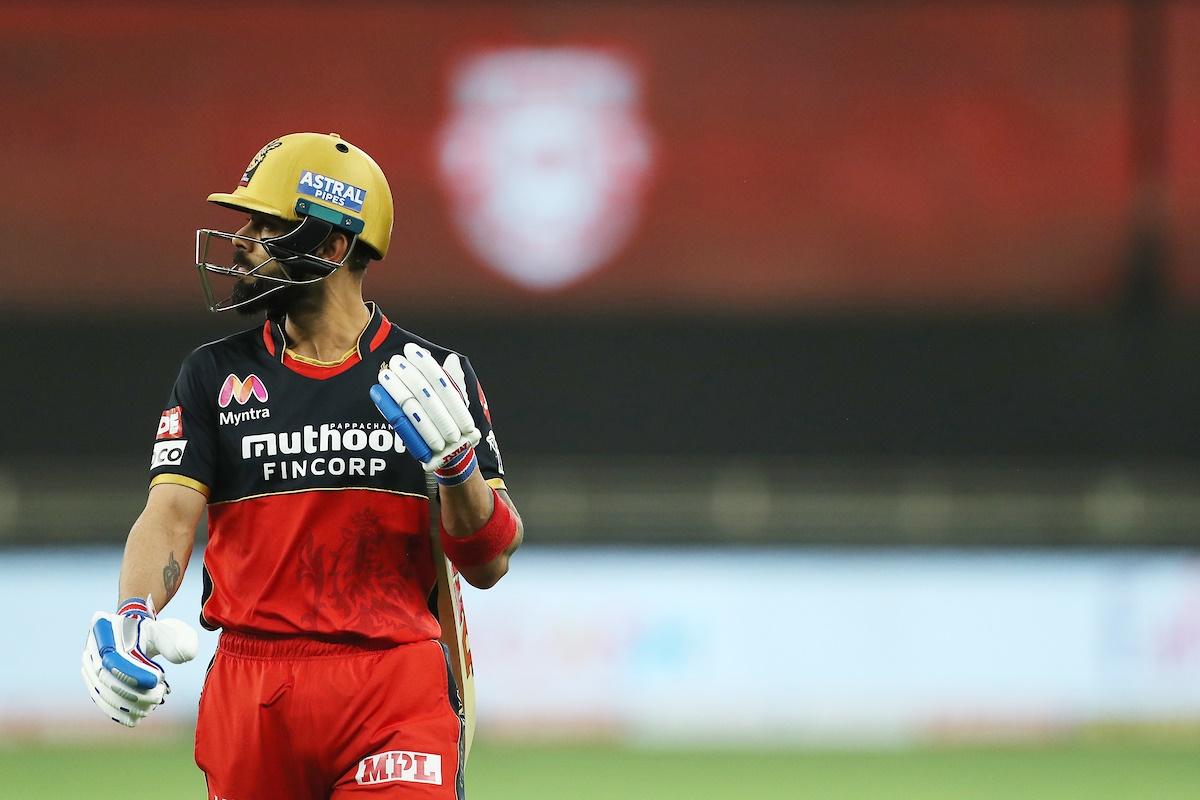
[(251, 645)]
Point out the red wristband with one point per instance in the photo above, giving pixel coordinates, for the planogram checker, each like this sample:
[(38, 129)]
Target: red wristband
[(484, 544)]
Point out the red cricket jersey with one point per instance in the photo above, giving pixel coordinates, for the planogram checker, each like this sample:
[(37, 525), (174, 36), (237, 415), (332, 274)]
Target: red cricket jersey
[(318, 520)]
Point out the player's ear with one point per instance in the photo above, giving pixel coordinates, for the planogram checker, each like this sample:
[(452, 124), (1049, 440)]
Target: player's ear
[(335, 247)]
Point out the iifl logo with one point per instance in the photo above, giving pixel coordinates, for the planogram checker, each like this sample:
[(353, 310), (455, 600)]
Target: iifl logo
[(241, 390)]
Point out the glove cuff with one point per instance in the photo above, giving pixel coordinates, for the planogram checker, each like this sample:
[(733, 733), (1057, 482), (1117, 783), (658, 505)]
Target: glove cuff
[(136, 607), (458, 469)]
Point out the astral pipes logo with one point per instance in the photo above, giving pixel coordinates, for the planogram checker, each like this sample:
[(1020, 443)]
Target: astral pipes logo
[(236, 389), (325, 188)]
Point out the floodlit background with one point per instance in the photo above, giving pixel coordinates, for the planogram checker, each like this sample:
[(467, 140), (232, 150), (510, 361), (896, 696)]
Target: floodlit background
[(843, 358)]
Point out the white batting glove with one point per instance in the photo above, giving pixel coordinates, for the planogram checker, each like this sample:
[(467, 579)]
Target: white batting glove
[(120, 677), (428, 410)]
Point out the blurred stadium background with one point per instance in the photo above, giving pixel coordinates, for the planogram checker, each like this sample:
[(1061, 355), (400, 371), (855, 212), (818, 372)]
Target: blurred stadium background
[(843, 358)]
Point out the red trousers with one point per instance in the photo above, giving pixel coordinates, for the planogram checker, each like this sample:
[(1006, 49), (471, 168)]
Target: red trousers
[(301, 719)]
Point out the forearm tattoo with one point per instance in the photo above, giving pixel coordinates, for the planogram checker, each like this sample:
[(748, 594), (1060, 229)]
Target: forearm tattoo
[(171, 574)]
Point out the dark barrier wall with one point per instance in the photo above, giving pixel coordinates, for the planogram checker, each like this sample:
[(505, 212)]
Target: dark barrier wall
[(1029, 387), (763, 156)]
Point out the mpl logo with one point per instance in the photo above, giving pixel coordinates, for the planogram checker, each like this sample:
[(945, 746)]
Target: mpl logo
[(545, 160), (170, 424), (241, 390), (400, 765)]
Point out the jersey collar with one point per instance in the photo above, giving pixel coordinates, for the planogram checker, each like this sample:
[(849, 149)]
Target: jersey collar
[(372, 336)]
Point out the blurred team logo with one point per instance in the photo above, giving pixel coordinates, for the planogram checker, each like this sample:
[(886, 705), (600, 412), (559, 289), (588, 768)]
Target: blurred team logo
[(258, 159), (545, 159), (241, 390), (170, 424)]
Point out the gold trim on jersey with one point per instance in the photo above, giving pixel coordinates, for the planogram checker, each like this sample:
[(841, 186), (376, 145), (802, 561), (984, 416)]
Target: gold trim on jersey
[(320, 489), (180, 480), (497, 483), (317, 362)]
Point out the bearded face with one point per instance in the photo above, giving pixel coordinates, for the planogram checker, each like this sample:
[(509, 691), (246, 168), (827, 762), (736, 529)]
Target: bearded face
[(253, 290)]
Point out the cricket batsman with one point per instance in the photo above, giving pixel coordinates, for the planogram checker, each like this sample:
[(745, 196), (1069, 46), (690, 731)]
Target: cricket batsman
[(322, 443)]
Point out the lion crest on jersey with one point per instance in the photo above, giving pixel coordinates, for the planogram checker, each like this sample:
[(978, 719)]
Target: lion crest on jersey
[(545, 160)]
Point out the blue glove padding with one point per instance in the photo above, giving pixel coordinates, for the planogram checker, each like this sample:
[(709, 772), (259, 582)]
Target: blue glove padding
[(142, 675), (400, 424)]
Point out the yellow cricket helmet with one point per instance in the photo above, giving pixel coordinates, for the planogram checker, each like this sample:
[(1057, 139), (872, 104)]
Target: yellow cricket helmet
[(321, 183), (317, 175)]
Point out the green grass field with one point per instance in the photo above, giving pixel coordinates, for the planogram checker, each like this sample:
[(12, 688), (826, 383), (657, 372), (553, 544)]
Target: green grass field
[(1080, 771)]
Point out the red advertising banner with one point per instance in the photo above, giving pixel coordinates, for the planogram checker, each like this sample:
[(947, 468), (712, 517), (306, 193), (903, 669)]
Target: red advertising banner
[(569, 157)]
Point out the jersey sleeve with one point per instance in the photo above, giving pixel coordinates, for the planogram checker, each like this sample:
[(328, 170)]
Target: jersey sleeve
[(491, 463), (185, 444)]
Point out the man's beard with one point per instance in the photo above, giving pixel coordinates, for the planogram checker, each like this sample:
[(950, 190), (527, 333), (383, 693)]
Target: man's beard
[(277, 303), (261, 295)]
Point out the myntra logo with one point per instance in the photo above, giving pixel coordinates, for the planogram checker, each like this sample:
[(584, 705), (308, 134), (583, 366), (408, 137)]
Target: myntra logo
[(235, 389)]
